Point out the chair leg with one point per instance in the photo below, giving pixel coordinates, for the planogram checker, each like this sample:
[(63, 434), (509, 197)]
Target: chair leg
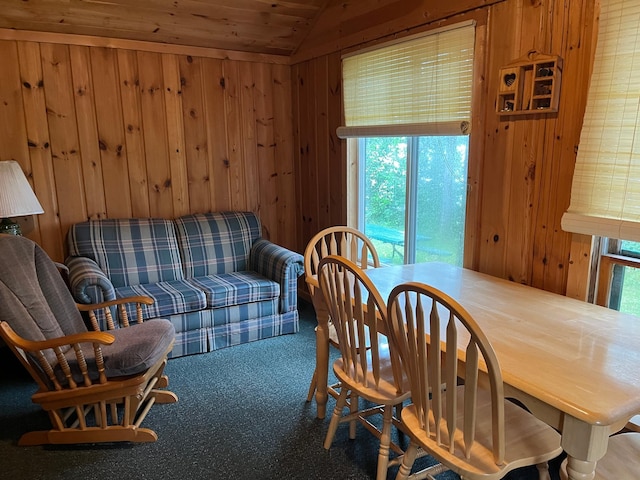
[(398, 409), (335, 418), (543, 471), (312, 387), (407, 462), (353, 409), (385, 440)]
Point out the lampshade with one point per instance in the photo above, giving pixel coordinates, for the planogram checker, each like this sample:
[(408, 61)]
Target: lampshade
[(16, 196)]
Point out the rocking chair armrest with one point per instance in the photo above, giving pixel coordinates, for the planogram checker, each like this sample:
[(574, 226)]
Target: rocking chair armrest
[(108, 308), (101, 338), (83, 307)]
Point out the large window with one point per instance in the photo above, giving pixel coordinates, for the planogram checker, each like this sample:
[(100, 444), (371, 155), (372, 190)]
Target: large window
[(605, 194), (413, 197), (408, 116)]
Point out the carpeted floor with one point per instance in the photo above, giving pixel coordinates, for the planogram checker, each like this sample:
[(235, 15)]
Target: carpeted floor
[(241, 414)]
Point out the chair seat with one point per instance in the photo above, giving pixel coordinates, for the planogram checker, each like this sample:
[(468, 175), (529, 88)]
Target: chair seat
[(135, 349), (384, 392), (526, 437), (621, 461), (633, 424)]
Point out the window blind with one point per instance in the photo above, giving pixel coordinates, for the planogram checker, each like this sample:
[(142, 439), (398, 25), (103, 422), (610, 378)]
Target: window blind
[(416, 86), (605, 194)]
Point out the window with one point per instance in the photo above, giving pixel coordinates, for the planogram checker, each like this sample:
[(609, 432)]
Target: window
[(605, 194), (619, 276), (413, 197), (625, 282), (407, 116)]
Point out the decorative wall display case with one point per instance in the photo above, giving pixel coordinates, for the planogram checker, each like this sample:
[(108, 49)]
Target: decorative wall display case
[(530, 85)]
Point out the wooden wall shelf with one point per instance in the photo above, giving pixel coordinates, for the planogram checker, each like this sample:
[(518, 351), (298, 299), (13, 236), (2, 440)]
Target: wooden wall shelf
[(530, 85)]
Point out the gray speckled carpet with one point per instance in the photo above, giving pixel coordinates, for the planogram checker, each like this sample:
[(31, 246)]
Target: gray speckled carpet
[(241, 414)]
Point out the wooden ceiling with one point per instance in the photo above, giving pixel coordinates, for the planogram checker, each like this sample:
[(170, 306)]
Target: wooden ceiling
[(261, 26)]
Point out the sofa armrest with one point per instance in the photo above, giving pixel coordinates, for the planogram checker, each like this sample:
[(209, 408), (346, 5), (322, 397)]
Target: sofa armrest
[(87, 282), (280, 265)]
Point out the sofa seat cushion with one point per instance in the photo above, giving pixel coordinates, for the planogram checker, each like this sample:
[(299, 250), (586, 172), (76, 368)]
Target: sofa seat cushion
[(236, 288), (170, 298)]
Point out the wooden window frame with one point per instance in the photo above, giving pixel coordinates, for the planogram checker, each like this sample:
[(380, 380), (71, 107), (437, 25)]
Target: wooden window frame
[(605, 274)]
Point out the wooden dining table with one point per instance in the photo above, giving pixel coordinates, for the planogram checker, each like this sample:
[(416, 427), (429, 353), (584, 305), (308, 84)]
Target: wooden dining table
[(573, 364)]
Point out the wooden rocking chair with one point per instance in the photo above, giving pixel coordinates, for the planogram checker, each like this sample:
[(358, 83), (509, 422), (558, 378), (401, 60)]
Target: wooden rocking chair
[(95, 386)]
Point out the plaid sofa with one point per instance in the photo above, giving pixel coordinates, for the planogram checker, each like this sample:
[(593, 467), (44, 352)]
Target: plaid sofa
[(211, 275)]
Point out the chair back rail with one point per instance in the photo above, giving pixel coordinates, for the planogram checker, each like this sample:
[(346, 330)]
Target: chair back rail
[(344, 241)]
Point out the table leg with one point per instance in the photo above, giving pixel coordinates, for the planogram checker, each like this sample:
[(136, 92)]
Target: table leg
[(580, 469), (322, 352), (585, 444)]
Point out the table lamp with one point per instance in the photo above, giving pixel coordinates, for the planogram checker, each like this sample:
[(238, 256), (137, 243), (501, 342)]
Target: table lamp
[(16, 197)]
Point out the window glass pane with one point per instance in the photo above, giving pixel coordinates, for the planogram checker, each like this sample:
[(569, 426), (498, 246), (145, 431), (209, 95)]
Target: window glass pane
[(630, 291), (630, 249), (441, 199), (626, 282), (384, 185)]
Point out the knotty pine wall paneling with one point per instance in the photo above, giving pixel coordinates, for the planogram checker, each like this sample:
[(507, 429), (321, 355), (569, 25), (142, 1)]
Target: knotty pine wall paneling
[(321, 155), (38, 157), (156, 142), (64, 140), (233, 111), (89, 141), (529, 161), (177, 179), (267, 171), (195, 132), (572, 29), (306, 142), (521, 168), (214, 94), (283, 145), (107, 132)]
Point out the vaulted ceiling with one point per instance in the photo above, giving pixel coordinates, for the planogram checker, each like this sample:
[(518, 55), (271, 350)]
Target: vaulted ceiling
[(262, 26)]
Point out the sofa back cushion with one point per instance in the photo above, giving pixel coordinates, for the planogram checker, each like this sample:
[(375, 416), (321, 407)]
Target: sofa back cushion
[(129, 251), (215, 243)]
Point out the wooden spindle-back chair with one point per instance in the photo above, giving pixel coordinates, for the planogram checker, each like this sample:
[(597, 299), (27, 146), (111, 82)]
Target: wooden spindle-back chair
[(368, 367), (458, 413), (346, 242)]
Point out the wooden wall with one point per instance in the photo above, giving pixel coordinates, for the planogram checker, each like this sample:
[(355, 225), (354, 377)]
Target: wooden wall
[(106, 128), (146, 132), (520, 167)]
